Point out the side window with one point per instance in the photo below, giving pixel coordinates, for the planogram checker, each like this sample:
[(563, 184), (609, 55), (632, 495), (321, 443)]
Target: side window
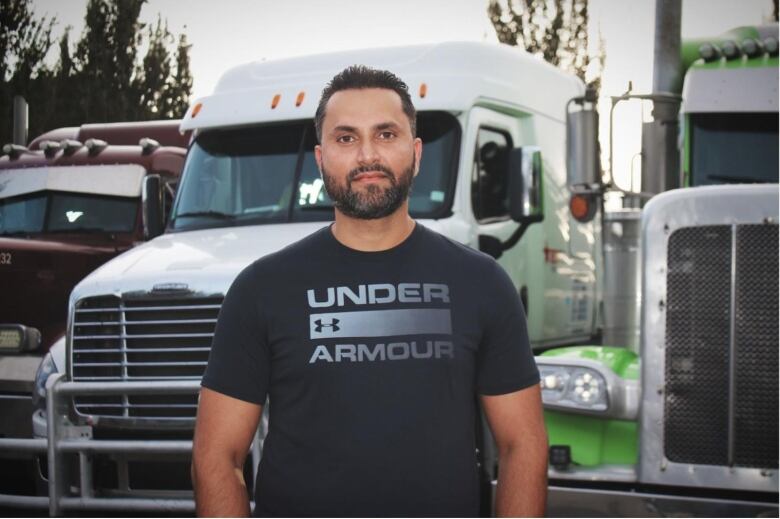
[(489, 178), (170, 184)]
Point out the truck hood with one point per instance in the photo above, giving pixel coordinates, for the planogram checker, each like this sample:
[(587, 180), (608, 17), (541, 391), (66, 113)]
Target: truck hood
[(204, 261)]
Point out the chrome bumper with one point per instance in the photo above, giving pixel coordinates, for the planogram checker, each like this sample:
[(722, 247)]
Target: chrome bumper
[(65, 439), (598, 502)]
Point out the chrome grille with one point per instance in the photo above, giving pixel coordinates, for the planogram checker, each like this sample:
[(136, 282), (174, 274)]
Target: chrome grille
[(133, 339), (756, 373), (721, 346), (697, 352)]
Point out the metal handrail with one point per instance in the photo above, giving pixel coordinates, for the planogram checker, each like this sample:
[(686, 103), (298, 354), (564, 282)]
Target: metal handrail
[(24, 501), (23, 445), (66, 438)]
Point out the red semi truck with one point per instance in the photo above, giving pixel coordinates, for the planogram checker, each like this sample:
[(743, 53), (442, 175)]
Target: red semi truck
[(70, 201)]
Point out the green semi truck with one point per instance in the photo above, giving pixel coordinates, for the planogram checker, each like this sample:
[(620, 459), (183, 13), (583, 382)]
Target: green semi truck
[(684, 419)]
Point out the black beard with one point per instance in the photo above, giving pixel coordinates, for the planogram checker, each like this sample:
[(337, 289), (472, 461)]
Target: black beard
[(375, 202)]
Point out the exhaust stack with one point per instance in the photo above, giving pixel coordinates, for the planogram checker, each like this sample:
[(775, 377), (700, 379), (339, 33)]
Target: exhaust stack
[(660, 155), (20, 121)]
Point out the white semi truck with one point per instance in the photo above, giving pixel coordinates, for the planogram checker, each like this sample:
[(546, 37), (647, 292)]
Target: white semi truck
[(122, 400), (122, 406)]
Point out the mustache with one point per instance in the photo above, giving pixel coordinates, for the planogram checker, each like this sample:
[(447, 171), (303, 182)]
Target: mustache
[(370, 168)]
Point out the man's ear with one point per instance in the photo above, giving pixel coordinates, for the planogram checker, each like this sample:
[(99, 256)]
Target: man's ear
[(318, 157), (417, 155)]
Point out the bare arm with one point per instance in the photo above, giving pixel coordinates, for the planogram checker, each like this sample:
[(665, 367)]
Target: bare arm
[(518, 426), (223, 433)]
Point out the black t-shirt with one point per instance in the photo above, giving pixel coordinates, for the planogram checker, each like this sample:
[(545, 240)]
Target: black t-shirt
[(371, 362)]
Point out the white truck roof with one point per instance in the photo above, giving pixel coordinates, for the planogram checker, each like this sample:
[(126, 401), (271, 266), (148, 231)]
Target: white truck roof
[(729, 88), (456, 75)]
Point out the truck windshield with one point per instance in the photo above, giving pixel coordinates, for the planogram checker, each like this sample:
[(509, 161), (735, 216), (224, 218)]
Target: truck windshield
[(267, 174), (53, 211), (734, 148)]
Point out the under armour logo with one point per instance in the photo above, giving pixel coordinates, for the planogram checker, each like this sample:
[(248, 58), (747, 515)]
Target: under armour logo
[(320, 325)]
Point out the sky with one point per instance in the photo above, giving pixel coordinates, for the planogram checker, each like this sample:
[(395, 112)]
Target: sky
[(231, 32)]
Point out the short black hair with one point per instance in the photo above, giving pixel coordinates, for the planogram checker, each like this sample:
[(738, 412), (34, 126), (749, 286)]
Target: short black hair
[(361, 76)]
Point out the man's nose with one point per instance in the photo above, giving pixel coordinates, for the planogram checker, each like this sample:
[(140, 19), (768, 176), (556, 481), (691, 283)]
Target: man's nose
[(367, 153)]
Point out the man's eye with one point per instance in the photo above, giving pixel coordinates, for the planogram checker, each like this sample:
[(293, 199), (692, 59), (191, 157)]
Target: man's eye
[(386, 135), (345, 139)]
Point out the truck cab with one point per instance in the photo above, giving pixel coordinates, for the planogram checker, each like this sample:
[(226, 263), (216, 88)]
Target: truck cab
[(69, 202), (729, 111), (685, 420)]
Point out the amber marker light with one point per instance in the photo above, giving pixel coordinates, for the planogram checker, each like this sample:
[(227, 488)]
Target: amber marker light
[(275, 101), (582, 207), (299, 99), (423, 90), (196, 109)]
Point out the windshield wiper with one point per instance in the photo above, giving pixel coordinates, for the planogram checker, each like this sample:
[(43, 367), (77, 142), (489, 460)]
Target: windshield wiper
[(738, 179), (210, 214), (78, 229), (316, 208)]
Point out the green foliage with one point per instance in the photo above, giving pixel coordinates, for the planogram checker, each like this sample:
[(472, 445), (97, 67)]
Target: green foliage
[(182, 79), (164, 88), (100, 78), (152, 77), (105, 58), (24, 41), (555, 30)]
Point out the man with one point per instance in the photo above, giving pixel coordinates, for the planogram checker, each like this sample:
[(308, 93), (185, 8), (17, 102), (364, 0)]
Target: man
[(370, 339)]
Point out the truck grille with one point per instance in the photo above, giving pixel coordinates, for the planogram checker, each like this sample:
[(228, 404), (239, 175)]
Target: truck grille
[(720, 411), (117, 339)]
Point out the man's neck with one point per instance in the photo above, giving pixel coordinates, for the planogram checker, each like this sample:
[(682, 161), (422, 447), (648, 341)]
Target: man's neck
[(373, 235)]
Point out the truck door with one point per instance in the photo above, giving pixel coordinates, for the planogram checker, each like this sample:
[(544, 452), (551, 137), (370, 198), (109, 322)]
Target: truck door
[(552, 264), (490, 137)]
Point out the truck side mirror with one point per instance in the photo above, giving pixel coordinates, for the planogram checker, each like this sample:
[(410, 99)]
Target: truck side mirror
[(152, 206), (525, 184), (582, 145), (525, 198)]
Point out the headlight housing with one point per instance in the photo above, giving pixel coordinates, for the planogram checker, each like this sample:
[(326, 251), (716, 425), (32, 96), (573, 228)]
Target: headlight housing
[(576, 387), (18, 338), (586, 387), (46, 368)]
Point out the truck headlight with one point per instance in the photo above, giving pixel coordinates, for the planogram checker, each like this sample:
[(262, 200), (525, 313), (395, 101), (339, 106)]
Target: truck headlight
[(577, 387), (46, 368), (586, 387), (18, 338)]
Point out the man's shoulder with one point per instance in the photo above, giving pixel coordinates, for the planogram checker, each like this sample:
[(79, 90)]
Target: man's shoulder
[(460, 254)]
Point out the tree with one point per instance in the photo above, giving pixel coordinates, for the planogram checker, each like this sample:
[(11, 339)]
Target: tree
[(65, 88), (164, 91), (554, 30), (182, 80), (152, 77), (105, 58), (24, 42), (100, 78), (24, 39)]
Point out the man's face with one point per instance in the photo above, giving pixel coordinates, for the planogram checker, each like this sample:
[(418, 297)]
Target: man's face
[(368, 157)]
